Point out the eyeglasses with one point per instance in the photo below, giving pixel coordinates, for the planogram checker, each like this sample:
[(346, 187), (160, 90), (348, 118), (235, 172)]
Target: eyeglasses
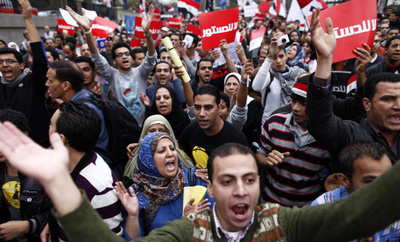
[(8, 61), (123, 53)]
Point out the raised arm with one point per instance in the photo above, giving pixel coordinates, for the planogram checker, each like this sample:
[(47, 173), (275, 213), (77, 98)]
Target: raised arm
[(27, 17), (84, 23), (48, 166), (324, 44), (247, 72), (146, 22), (260, 83), (224, 49)]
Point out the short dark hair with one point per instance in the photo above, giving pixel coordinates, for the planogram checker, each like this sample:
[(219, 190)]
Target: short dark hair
[(162, 49), (80, 124), (135, 51), (15, 117), (86, 59), (225, 97), (210, 90), (392, 29), (49, 39), (117, 45), (17, 55), (53, 53), (198, 66), (355, 151), (224, 151), (70, 45), (175, 33), (60, 36), (162, 62), (372, 81), (2, 41), (389, 42), (69, 71)]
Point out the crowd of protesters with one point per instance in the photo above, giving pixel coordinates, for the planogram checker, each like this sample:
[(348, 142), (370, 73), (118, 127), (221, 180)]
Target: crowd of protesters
[(137, 134)]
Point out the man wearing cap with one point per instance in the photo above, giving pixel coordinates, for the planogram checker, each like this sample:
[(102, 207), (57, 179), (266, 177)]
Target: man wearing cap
[(296, 163), (163, 33)]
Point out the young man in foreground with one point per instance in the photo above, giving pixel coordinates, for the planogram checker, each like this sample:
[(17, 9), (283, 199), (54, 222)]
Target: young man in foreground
[(234, 184)]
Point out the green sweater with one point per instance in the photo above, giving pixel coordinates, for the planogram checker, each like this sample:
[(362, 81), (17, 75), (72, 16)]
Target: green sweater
[(364, 212)]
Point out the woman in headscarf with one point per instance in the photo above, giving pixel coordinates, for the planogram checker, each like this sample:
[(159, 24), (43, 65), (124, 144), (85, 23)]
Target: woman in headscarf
[(294, 37), (154, 123), (166, 104), (245, 118), (158, 184), (295, 56)]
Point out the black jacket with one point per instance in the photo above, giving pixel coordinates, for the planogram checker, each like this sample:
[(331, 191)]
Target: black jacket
[(334, 133), (34, 204), (28, 96)]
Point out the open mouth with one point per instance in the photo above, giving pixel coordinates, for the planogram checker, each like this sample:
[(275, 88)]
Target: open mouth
[(395, 118), (163, 108), (203, 122), (7, 74), (170, 165), (240, 210)]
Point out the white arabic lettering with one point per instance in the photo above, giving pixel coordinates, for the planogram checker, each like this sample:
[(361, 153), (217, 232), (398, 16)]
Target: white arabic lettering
[(102, 27), (355, 29), (219, 30)]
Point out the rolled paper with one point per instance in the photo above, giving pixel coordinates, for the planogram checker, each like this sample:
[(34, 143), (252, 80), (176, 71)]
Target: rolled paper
[(175, 57)]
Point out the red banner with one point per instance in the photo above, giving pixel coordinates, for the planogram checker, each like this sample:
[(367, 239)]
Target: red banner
[(193, 29), (101, 27), (354, 23), (157, 14), (155, 28), (175, 23), (218, 25), (135, 43), (62, 25)]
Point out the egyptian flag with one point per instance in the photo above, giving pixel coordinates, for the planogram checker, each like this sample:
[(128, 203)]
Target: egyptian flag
[(189, 7), (279, 9), (171, 9), (141, 6), (307, 6), (256, 38)]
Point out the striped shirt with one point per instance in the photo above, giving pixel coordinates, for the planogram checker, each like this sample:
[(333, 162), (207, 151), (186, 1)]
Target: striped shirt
[(298, 180), (96, 179)]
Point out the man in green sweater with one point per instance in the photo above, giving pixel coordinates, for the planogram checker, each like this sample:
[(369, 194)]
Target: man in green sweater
[(234, 184)]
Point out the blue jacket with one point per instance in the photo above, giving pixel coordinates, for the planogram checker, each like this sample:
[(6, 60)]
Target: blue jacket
[(171, 211), (102, 141)]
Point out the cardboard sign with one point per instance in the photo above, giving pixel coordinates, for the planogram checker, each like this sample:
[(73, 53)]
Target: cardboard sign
[(250, 10), (218, 25), (101, 44), (135, 43), (354, 23), (175, 23), (193, 29), (157, 14), (155, 28), (101, 27), (62, 25), (130, 23)]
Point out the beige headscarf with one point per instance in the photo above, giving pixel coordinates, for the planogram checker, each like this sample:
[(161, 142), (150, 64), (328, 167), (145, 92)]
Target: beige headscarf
[(155, 119)]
